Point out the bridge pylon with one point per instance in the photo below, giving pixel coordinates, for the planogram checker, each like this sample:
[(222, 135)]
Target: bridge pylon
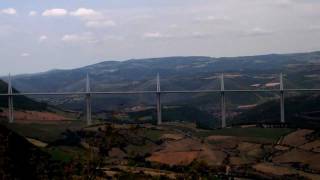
[(282, 112), (10, 100), (159, 109), (223, 102), (88, 101)]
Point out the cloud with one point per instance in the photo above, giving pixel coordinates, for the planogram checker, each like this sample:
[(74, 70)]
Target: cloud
[(79, 38), (284, 3), (86, 13), (8, 11), (216, 19), (43, 38), (257, 31), (178, 36), (25, 55), (33, 13), (55, 12), (153, 35), (6, 30), (70, 38), (93, 18), (173, 26), (194, 35), (100, 24), (314, 28), (199, 35), (113, 37)]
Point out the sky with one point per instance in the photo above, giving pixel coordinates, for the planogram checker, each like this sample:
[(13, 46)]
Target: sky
[(40, 35)]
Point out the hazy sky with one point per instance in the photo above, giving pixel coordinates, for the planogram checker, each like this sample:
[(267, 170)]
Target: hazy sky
[(38, 35)]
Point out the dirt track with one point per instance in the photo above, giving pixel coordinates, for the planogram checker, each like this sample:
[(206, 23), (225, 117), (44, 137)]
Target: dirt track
[(25, 116), (183, 152)]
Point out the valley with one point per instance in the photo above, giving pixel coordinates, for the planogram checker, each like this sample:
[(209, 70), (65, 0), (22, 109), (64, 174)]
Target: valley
[(124, 141), (176, 73), (160, 90)]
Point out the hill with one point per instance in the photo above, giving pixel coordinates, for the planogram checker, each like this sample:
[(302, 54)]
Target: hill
[(300, 111), (29, 110), (116, 74), (177, 73), (181, 151), (20, 102), (21, 160)]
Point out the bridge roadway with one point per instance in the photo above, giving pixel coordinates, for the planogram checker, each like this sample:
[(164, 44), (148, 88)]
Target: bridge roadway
[(88, 94), (154, 92)]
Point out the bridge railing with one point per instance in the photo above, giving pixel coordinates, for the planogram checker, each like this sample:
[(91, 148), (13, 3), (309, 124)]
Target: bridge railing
[(158, 92)]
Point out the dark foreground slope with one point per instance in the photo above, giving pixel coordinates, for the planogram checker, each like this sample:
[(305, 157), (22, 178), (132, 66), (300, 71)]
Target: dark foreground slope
[(300, 111), (20, 102), (21, 160)]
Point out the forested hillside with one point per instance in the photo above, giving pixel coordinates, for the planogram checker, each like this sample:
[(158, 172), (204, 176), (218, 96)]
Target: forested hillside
[(300, 111), (20, 102), (177, 73)]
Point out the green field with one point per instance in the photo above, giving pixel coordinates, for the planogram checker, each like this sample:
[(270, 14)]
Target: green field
[(45, 132), (66, 154), (271, 134), (52, 132), (153, 134)]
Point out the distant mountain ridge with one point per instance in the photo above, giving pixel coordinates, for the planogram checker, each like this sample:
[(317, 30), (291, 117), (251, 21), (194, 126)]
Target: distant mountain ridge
[(178, 73)]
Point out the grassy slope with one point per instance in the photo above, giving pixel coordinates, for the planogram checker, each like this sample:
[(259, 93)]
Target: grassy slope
[(20, 102), (300, 111), (21, 160), (49, 132), (271, 134), (181, 114), (45, 132)]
